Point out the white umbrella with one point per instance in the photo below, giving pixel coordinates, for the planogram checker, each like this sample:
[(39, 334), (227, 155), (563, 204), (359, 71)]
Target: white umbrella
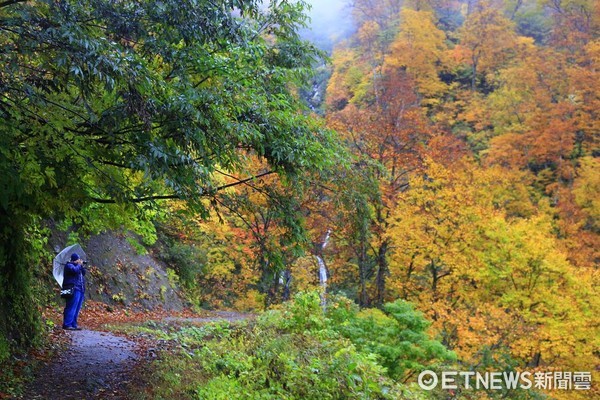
[(64, 257)]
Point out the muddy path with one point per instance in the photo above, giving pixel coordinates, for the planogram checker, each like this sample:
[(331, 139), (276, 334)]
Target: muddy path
[(100, 365), (95, 365)]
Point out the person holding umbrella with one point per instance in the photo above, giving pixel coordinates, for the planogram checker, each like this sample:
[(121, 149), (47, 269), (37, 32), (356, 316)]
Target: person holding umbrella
[(74, 277)]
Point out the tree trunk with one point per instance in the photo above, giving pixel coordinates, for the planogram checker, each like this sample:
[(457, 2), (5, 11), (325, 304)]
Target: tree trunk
[(382, 273), (435, 277), (474, 73), (363, 272), (267, 281), (19, 319), (274, 289), (536, 360), (434, 282), (363, 298)]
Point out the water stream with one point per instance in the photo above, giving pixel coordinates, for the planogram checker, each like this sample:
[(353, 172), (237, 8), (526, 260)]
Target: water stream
[(323, 269), (322, 272)]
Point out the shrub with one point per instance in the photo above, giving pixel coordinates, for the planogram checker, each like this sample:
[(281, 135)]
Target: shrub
[(187, 260), (300, 352), (397, 336)]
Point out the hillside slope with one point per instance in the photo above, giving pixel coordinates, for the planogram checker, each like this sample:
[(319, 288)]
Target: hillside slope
[(119, 274)]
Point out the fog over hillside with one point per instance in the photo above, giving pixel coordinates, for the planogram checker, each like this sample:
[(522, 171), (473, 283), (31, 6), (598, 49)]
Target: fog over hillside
[(330, 22)]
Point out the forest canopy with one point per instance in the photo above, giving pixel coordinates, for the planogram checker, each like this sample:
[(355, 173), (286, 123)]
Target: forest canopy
[(135, 102)]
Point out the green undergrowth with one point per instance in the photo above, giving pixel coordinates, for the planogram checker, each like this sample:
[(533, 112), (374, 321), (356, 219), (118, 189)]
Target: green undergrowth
[(14, 376), (17, 370), (297, 352)]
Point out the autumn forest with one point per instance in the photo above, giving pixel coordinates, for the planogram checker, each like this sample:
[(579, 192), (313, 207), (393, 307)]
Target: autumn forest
[(476, 123), (422, 195)]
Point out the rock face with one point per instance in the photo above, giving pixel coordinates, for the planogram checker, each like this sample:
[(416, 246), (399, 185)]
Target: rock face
[(118, 274)]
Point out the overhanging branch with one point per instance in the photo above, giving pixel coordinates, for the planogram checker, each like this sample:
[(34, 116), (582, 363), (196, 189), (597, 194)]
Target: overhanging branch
[(241, 182), (137, 199), (175, 196), (11, 2)]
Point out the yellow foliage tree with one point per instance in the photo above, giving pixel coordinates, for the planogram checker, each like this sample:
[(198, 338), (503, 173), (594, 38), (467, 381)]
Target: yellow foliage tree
[(420, 48), (489, 39), (484, 264)]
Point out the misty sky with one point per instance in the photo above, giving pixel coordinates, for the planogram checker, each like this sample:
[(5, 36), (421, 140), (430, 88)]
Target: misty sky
[(326, 9), (330, 20)]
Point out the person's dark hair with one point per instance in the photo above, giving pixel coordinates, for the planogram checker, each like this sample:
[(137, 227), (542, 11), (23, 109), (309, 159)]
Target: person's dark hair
[(74, 257)]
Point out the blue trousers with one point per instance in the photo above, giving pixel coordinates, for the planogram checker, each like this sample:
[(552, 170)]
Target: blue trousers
[(72, 309)]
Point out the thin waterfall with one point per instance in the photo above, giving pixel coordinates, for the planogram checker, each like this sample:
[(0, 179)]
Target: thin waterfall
[(323, 268), (326, 240), (322, 272)]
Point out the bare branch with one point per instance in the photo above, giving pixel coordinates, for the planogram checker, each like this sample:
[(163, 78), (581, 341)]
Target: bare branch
[(175, 196), (138, 199), (240, 182), (10, 3)]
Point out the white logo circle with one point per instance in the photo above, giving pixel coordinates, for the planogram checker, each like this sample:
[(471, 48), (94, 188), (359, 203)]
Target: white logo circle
[(428, 384)]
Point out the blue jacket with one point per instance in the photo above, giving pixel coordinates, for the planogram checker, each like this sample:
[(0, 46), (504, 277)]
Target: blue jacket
[(74, 276)]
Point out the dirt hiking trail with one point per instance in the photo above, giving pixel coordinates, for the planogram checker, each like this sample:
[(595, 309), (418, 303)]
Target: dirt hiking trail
[(98, 365)]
